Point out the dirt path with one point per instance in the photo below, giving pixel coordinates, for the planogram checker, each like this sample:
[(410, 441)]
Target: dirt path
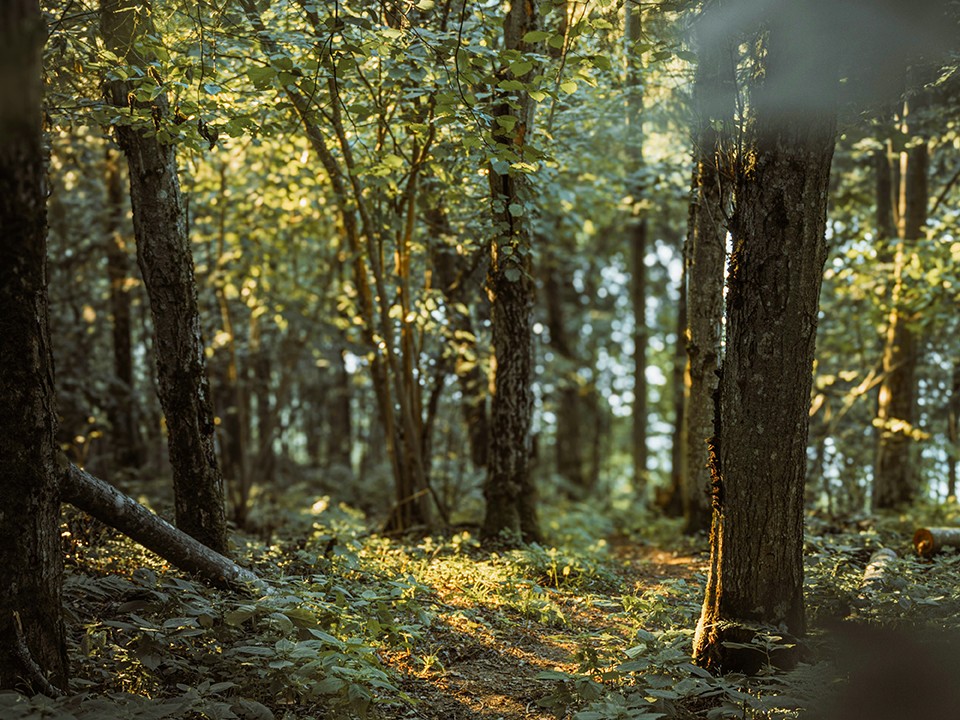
[(482, 662)]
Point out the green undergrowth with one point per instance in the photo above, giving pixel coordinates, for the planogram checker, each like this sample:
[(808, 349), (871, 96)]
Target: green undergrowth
[(146, 641)]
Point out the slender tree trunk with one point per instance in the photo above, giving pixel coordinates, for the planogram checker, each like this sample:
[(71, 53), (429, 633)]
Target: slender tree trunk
[(760, 441), (715, 93), (455, 277), (895, 482), (953, 432), (127, 443), (166, 264), (670, 501), (340, 439), (637, 240), (32, 645), (509, 489)]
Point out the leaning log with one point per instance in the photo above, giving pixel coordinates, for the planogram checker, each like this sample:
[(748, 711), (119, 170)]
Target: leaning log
[(110, 506), (930, 541)]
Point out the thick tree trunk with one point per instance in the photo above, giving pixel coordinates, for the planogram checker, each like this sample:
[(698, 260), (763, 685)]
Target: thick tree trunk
[(715, 92), (775, 272), (112, 507), (895, 482), (127, 443), (166, 264), (32, 645), (509, 489)]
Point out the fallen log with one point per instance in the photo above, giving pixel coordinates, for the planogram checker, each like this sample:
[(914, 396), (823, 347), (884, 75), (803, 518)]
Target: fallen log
[(930, 541), (879, 561), (110, 506)]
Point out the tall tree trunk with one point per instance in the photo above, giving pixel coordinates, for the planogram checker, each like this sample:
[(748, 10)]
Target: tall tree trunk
[(509, 489), (895, 482), (340, 439), (775, 272), (670, 500), (166, 264), (127, 443), (455, 273), (953, 431), (32, 644), (715, 94), (637, 247)]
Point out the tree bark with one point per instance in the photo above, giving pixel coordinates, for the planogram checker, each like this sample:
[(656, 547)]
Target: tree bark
[(895, 483), (119, 511), (32, 644), (781, 193), (715, 94), (166, 264), (637, 239), (509, 489)]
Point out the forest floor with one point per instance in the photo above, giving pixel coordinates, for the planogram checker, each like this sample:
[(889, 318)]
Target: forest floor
[(494, 663)]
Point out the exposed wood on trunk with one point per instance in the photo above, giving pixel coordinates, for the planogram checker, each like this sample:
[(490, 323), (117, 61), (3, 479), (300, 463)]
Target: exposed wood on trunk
[(110, 506), (715, 96), (930, 541), (166, 264), (31, 567)]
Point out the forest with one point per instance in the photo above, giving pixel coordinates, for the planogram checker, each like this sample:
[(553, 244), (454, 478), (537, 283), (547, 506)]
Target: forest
[(452, 360)]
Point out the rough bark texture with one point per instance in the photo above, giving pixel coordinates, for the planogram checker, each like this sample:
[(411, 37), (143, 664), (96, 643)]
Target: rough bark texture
[(110, 506), (166, 264), (715, 91), (509, 489), (32, 649), (637, 243), (895, 483), (781, 193)]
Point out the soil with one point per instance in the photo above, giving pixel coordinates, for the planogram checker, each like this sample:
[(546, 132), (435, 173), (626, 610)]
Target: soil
[(487, 661)]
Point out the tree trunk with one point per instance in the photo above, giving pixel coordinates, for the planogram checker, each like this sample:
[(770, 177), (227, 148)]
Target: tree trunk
[(509, 489), (110, 506), (127, 444), (715, 94), (781, 193), (340, 439), (166, 264), (895, 482), (953, 432), (32, 644), (455, 277), (637, 240)]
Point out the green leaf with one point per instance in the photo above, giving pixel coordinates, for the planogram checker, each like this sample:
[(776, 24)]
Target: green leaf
[(568, 87), (515, 209), (262, 77), (521, 67), (535, 36), (329, 685)]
